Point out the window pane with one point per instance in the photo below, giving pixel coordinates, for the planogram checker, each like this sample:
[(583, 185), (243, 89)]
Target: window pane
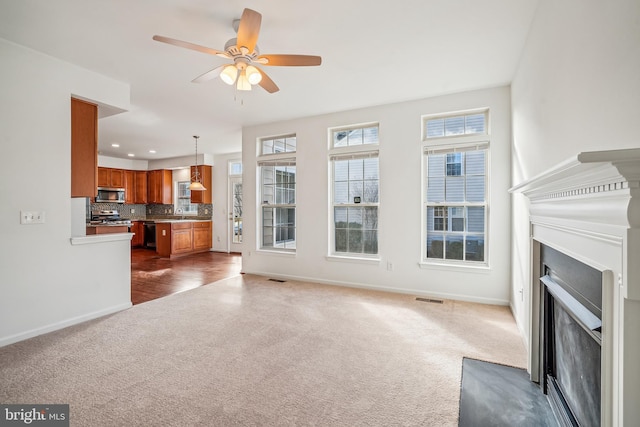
[(370, 135), (454, 164), (435, 128), (370, 242), (435, 244), (341, 170), (340, 139), (356, 169), (235, 168), (430, 219), (340, 217), (435, 190), (474, 248), (475, 219), (455, 189), (436, 164), (475, 162), (267, 146), (370, 192), (355, 137), (454, 126), (454, 246), (475, 188), (475, 124), (371, 169), (371, 218), (355, 217), (341, 240), (290, 144), (355, 241), (278, 145), (341, 192), (355, 190)]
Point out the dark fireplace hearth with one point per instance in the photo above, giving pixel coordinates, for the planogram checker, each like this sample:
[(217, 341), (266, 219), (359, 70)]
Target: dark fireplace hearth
[(571, 327)]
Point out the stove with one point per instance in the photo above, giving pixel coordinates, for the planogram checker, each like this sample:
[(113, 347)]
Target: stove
[(106, 217)]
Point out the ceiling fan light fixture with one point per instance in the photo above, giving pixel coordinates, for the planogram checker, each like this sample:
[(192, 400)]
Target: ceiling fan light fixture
[(229, 74), (243, 82), (253, 75)]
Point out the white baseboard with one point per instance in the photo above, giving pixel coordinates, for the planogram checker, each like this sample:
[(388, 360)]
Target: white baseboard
[(440, 295), (62, 324)]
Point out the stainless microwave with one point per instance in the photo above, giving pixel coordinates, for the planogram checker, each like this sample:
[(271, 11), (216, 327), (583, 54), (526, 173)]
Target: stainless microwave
[(110, 195)]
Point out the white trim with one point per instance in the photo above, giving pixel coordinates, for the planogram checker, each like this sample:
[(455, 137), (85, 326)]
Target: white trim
[(100, 238), (440, 295), (63, 324), (282, 252), (353, 259), (467, 266)]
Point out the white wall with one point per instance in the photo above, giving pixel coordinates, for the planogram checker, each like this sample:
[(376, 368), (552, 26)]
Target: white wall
[(400, 211), (45, 281), (577, 88)]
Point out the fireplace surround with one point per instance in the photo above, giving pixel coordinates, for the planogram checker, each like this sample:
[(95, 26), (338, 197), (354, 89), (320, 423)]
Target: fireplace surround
[(587, 209)]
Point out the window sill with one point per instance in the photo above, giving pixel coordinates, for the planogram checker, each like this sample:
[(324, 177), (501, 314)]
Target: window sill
[(479, 268), (353, 259), (276, 252)]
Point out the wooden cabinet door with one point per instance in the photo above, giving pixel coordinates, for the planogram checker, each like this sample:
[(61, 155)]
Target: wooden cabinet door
[(201, 235), (151, 186), (129, 187), (104, 177), (117, 178), (140, 194), (181, 238), (84, 148), (205, 177)]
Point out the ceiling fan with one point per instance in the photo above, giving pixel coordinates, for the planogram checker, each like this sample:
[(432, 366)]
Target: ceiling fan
[(244, 52)]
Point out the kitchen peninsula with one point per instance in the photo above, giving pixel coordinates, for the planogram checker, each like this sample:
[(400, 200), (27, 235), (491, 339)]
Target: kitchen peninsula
[(182, 237)]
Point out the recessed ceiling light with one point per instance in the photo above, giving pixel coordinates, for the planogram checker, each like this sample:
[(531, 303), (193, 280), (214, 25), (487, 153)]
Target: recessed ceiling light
[(115, 145), (131, 155), (152, 151)]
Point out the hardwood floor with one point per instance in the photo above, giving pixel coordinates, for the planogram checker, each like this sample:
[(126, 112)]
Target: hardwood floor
[(154, 277)]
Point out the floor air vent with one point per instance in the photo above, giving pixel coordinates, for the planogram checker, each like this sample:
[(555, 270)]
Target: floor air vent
[(277, 280), (431, 300)]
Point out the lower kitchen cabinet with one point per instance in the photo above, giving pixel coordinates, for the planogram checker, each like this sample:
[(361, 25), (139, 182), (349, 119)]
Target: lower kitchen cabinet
[(137, 228), (181, 238)]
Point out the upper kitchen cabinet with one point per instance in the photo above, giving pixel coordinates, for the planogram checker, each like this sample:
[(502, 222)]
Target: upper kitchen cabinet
[(112, 178), (141, 188), (129, 186), (84, 148), (205, 177), (160, 187)]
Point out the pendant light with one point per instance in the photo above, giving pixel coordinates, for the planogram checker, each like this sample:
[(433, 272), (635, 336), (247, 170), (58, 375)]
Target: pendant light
[(196, 184)]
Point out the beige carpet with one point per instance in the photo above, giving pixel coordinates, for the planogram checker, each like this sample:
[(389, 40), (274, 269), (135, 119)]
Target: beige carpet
[(247, 351)]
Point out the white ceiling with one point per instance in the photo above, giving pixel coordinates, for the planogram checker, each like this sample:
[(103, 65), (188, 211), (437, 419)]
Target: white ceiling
[(372, 53)]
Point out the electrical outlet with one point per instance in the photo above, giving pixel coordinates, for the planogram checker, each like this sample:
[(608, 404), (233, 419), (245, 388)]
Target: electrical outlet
[(389, 266), (133, 210), (206, 211), (164, 232), (218, 238)]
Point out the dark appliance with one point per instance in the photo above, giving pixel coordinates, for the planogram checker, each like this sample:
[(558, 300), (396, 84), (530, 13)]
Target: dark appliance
[(150, 234)]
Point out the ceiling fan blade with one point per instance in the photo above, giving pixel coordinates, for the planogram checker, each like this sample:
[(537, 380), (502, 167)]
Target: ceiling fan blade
[(191, 46), (209, 75), (291, 60), (266, 83), (248, 30)]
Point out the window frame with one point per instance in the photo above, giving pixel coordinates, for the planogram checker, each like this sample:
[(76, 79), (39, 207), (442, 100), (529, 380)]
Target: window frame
[(178, 197), (275, 159), (448, 145), (351, 152)]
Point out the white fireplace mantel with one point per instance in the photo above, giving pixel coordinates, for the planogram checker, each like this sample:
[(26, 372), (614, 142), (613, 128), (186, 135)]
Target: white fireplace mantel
[(588, 207)]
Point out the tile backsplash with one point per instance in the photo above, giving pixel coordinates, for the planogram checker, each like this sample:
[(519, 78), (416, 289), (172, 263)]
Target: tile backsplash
[(154, 211)]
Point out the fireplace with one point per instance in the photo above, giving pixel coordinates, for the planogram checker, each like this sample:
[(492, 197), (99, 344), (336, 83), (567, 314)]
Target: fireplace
[(570, 333), (582, 298)]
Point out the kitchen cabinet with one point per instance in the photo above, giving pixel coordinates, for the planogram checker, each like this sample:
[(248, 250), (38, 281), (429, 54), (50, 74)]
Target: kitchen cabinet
[(137, 227), (84, 148), (129, 186), (112, 178), (140, 187), (205, 177), (106, 229), (177, 238), (160, 187)]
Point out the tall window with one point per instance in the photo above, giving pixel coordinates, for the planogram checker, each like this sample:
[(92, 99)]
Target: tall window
[(455, 200), (356, 188), (277, 169)]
